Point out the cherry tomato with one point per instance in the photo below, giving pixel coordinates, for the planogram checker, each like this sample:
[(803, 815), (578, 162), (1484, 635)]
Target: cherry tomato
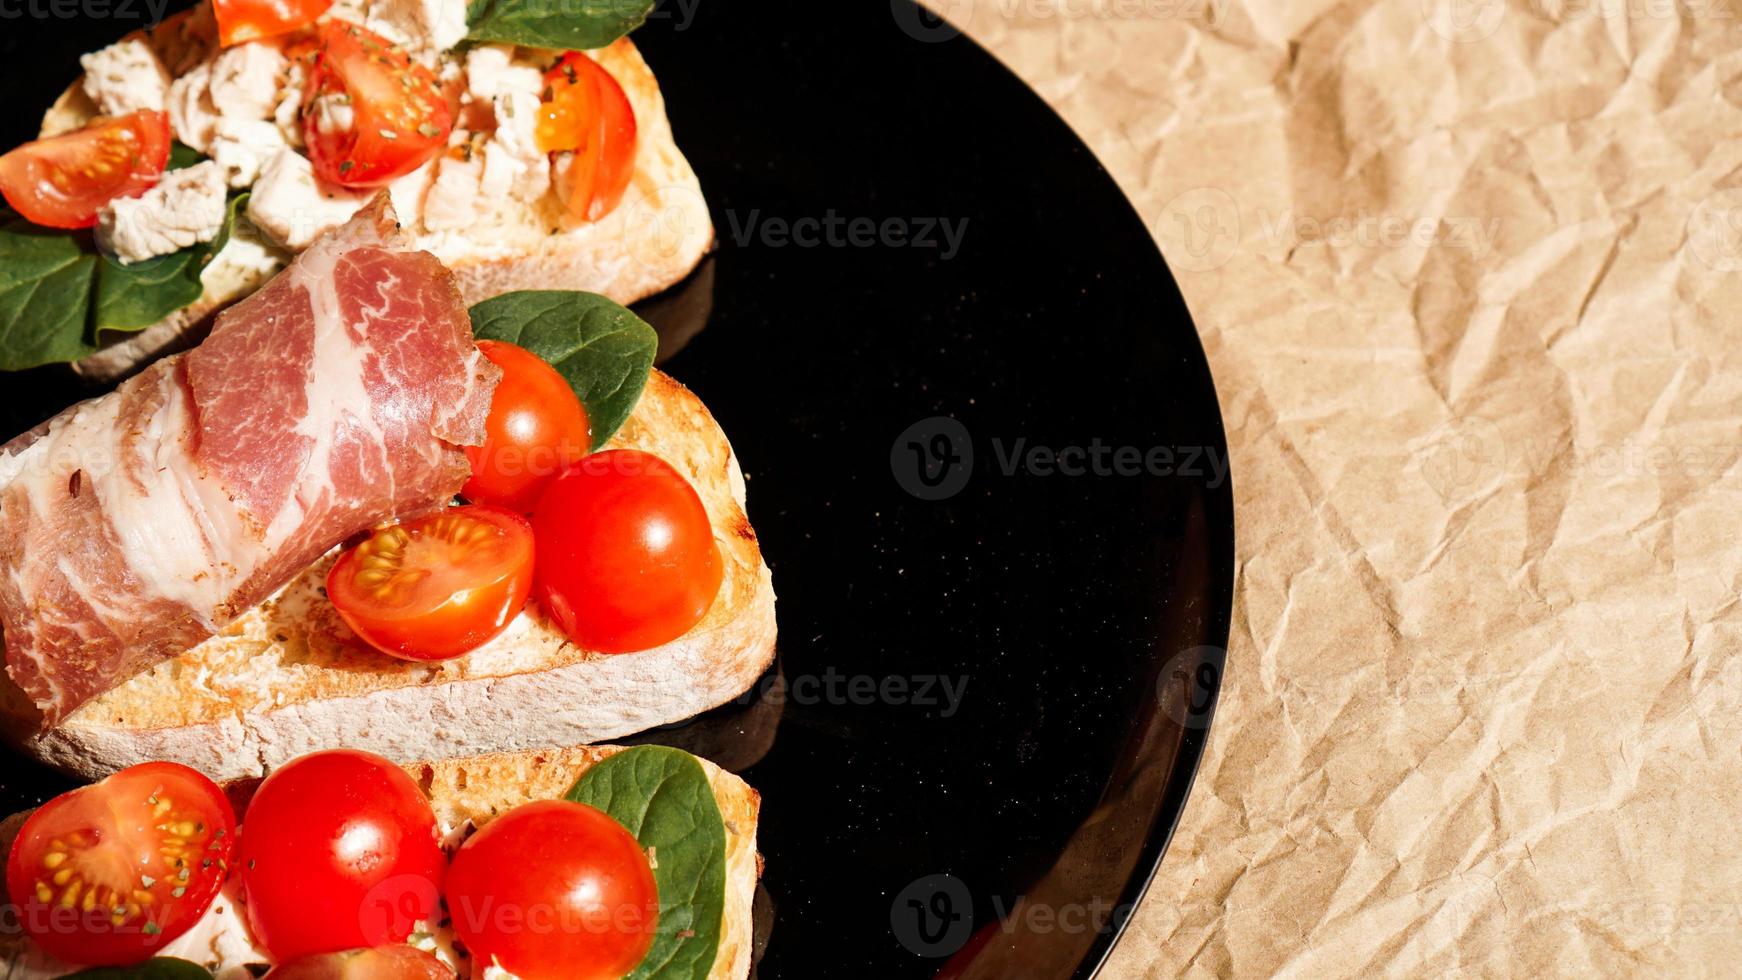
[(398, 117), (63, 181), (554, 890), (108, 874), (588, 115), (626, 556), (339, 851), (439, 586), (536, 428), (380, 963), (250, 20)]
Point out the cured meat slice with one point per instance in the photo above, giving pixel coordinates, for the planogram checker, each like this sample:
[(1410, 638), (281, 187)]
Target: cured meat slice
[(136, 525)]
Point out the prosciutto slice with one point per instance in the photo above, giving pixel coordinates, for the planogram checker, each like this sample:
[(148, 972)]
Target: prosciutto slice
[(136, 525)]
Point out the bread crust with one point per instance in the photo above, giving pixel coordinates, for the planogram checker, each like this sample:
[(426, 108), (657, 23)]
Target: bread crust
[(481, 788), (290, 678)]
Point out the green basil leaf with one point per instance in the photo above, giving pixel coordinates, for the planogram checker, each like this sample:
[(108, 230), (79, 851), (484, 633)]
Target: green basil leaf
[(182, 156), (604, 351), (133, 297), (662, 796), (59, 293), (45, 289), (575, 25), (161, 968)]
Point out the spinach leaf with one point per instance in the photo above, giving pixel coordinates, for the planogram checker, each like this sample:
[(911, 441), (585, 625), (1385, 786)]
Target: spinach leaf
[(182, 155), (662, 796), (59, 293), (604, 351), (573, 25), (161, 968), (45, 288), (133, 297)]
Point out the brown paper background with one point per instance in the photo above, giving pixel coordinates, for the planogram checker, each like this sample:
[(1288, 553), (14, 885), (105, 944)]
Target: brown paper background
[(1470, 280)]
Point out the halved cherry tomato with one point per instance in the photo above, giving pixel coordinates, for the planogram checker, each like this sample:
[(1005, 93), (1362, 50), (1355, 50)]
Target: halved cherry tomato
[(588, 115), (249, 20), (537, 427), (398, 117), (380, 963), (63, 181), (108, 874), (339, 851), (626, 556), (438, 586), (554, 890)]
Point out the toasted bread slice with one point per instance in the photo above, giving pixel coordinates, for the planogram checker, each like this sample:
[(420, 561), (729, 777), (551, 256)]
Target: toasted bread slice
[(472, 790), (653, 238), (289, 677)]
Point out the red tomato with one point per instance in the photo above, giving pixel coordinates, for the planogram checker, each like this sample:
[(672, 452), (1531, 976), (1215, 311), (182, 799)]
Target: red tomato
[(537, 427), (249, 20), (398, 116), (108, 874), (380, 963), (63, 181), (626, 556), (588, 115), (554, 891), (439, 586), (339, 851)]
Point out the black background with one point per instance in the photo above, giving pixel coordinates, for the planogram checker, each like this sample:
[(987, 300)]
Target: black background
[(1078, 611)]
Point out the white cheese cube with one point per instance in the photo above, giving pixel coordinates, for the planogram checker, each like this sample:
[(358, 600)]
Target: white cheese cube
[(192, 115), (242, 147), (124, 77), (185, 208), (246, 78), (293, 207)]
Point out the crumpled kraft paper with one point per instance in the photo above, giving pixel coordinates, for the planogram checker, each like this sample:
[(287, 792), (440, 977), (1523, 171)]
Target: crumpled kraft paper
[(1469, 275)]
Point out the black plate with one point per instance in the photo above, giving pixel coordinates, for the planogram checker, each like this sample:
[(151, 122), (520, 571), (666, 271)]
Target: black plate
[(875, 388)]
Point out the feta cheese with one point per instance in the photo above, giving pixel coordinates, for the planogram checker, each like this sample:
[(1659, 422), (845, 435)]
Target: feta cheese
[(245, 80), (452, 201), (333, 114), (124, 77), (408, 192), (491, 71), (185, 208), (242, 147), (293, 207), (192, 114), (288, 115), (423, 26)]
